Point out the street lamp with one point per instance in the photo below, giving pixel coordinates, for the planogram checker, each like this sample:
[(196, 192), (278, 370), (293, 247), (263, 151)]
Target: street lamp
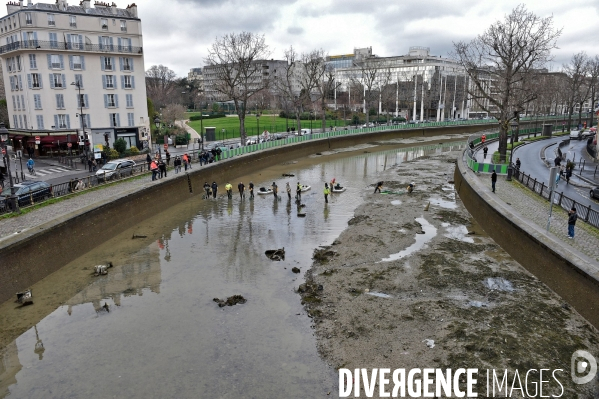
[(258, 128), (157, 123), (311, 117), (11, 199), (81, 115), (510, 168)]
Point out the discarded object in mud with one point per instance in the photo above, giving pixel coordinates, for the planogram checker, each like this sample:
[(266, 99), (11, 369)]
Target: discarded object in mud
[(275, 254), (288, 175), (323, 255), (301, 215), (318, 153), (295, 269), (230, 301), (138, 236), (100, 270), (25, 298), (302, 205), (430, 343), (451, 182), (427, 206)]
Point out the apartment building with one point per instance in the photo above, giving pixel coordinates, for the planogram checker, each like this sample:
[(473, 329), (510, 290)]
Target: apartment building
[(74, 70)]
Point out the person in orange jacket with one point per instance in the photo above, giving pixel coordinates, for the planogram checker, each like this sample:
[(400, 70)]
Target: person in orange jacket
[(154, 169)]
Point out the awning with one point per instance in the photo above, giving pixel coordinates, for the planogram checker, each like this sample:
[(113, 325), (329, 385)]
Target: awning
[(50, 145), (52, 139), (17, 137)]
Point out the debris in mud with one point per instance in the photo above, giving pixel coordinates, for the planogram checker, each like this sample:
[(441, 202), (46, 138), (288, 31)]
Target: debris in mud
[(276, 254), (102, 269), (499, 284), (427, 206), (430, 343), (357, 219), (295, 269), (25, 298), (138, 236), (318, 153), (232, 300), (288, 175), (301, 215), (323, 255)]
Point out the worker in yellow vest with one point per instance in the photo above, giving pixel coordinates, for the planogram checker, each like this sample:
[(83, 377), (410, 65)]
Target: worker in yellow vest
[(229, 190), (327, 191)]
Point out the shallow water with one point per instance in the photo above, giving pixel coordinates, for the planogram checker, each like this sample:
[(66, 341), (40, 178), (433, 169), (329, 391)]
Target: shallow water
[(430, 232), (150, 327)]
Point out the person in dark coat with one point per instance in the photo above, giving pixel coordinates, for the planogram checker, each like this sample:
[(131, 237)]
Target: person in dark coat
[(168, 158), (214, 189), (162, 167), (572, 217), (493, 179), (148, 160)]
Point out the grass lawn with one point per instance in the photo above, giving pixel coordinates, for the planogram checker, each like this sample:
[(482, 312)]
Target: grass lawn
[(272, 123)]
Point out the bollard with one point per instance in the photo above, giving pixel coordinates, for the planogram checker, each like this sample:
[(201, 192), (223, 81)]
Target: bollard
[(595, 171), (582, 170)]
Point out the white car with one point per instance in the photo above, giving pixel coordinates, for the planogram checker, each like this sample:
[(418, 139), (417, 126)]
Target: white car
[(303, 132), (116, 168), (575, 135)]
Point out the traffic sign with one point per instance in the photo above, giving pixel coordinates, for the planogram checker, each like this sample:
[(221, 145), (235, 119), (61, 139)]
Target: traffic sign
[(69, 145), (166, 146), (37, 140)]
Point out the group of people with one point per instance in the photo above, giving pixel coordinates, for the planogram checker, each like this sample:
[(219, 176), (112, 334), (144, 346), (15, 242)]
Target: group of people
[(565, 171), (158, 166), (212, 190)]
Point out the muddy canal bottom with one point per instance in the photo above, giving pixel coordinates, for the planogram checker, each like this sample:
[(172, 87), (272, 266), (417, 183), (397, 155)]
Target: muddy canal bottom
[(150, 327)]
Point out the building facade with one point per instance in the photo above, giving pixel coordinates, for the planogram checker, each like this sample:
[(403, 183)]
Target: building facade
[(75, 70)]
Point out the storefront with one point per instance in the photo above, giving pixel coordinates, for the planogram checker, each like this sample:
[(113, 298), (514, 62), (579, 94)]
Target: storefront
[(110, 135)]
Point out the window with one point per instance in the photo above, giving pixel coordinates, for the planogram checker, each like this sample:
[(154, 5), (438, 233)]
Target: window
[(126, 63), (34, 80), (82, 101), (62, 121), (17, 83), (30, 39), (32, 61), (87, 121), (18, 58), (25, 121), (59, 101), (74, 41), (129, 98), (107, 63), (55, 61), (73, 21), (124, 44), (104, 23), (15, 121), (14, 103), (51, 21), (127, 82), (130, 119), (79, 80), (18, 103), (40, 121), (76, 62), (53, 40), (108, 81), (23, 102), (111, 101), (115, 120), (37, 101), (28, 19), (123, 26), (58, 81), (21, 121), (106, 43)]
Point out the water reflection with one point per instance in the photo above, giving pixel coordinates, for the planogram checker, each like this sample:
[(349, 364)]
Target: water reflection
[(150, 326)]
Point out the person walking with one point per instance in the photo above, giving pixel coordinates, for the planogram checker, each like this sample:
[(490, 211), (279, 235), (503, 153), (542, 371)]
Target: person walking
[(148, 160), (168, 158), (568, 175), (493, 179), (572, 217), (298, 192), (214, 189), (185, 161), (162, 167), (485, 150), (327, 191), (241, 188), (251, 190), (288, 188), (518, 163), (188, 160), (229, 190), (378, 187), (207, 189), (275, 189), (177, 164), (30, 164), (154, 169), (89, 164), (557, 161)]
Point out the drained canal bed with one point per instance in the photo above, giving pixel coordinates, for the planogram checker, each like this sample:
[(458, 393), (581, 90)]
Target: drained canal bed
[(150, 327)]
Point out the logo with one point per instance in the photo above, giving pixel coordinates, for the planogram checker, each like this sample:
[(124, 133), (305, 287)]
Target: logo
[(584, 367)]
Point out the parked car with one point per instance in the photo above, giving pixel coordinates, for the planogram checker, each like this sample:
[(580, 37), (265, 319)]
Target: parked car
[(116, 168), (303, 132), (26, 192), (595, 192), (210, 146), (575, 135), (589, 132), (277, 136)]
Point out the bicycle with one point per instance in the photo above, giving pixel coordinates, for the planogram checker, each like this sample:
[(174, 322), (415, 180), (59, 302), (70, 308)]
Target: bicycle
[(32, 171)]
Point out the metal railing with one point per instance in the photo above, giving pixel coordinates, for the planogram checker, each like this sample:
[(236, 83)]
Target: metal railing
[(56, 45), (585, 213)]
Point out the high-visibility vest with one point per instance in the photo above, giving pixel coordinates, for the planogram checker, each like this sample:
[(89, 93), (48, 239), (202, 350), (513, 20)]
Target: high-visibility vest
[(228, 187), (153, 165)]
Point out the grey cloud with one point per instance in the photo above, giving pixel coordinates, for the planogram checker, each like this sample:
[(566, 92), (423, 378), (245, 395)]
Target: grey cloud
[(295, 30)]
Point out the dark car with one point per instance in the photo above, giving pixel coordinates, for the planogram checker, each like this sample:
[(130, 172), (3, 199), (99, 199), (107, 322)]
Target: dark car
[(27, 192), (594, 192)]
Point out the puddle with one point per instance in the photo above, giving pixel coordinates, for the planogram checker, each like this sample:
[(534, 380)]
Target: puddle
[(499, 284), (443, 203), (379, 294), (478, 304), (459, 233), (430, 231), (396, 202)]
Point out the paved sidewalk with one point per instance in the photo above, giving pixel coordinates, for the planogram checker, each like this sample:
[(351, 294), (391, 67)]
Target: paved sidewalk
[(536, 210), (33, 219)]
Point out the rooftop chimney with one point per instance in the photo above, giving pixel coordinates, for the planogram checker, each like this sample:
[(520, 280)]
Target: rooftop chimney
[(132, 10), (12, 6), (86, 4), (113, 8)]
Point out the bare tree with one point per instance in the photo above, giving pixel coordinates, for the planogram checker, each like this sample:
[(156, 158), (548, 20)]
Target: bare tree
[(238, 70), (509, 53), (594, 83), (161, 85), (172, 113), (576, 72), (288, 86)]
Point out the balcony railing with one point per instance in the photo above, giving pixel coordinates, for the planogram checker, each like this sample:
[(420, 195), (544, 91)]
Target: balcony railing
[(52, 45)]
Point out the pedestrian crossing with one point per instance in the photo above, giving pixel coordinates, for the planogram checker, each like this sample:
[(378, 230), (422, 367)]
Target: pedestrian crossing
[(49, 171)]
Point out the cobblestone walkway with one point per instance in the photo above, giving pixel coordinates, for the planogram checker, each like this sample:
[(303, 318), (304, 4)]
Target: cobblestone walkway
[(45, 214), (536, 210)]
